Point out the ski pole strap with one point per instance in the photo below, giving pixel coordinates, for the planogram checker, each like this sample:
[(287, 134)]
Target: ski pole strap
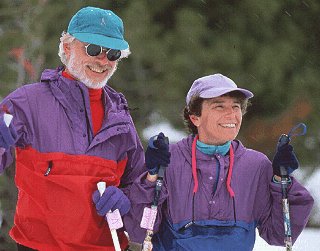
[(294, 131), (159, 184), (162, 169)]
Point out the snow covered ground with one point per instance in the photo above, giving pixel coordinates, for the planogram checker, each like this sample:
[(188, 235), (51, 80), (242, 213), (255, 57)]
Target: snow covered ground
[(309, 240)]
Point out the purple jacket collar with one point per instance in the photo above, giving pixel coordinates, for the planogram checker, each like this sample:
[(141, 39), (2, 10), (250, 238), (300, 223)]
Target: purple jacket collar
[(115, 102), (185, 146)]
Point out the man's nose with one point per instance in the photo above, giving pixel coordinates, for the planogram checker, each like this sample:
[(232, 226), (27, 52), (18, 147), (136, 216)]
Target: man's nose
[(102, 55)]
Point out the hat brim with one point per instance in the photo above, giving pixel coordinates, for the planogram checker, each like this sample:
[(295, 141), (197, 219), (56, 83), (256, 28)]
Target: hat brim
[(216, 92), (104, 41)]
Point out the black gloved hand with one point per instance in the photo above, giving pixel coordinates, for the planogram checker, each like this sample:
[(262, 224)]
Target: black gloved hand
[(157, 154), (285, 157)]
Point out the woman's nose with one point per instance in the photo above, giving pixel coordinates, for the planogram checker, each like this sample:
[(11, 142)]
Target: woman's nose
[(230, 111)]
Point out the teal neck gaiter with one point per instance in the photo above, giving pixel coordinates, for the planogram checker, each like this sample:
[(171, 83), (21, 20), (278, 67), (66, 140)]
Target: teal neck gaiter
[(213, 149)]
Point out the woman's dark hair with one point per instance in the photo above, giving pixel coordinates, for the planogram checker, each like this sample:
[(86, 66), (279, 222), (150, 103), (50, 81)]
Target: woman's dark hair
[(195, 108)]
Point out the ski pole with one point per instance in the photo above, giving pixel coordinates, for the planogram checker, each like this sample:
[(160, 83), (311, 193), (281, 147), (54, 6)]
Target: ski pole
[(113, 218), (150, 214), (284, 140)]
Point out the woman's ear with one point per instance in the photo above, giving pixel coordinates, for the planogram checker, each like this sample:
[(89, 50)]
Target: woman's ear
[(195, 120)]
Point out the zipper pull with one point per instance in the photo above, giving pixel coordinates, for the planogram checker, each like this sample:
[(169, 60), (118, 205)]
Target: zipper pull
[(49, 168)]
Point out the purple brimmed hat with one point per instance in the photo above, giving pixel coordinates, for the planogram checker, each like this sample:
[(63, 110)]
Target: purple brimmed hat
[(214, 86)]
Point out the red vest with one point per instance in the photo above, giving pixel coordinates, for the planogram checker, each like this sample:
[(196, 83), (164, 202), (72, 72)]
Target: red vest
[(55, 211)]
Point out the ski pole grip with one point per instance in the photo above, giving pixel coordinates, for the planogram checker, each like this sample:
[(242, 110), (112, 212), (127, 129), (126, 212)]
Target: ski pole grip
[(151, 142), (283, 140), (101, 187), (154, 138)]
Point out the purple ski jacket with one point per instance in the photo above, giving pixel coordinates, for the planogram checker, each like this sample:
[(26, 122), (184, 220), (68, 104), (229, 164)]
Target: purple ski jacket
[(211, 219), (58, 154)]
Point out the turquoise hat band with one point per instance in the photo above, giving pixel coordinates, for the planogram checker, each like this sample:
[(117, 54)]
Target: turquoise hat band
[(106, 42)]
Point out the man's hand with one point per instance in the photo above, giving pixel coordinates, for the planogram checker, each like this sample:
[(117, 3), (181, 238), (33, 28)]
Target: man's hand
[(112, 198)]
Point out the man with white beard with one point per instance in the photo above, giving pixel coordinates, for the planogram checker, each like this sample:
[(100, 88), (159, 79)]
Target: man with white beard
[(71, 131)]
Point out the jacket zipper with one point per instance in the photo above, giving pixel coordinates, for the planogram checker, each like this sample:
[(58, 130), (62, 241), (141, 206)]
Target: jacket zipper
[(50, 165)]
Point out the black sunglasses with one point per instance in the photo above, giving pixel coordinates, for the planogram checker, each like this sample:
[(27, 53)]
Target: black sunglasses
[(93, 50)]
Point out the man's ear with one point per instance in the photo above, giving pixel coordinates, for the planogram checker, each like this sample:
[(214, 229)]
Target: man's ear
[(66, 47), (195, 120)]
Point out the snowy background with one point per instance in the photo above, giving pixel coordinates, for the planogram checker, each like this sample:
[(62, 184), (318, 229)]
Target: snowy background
[(309, 240)]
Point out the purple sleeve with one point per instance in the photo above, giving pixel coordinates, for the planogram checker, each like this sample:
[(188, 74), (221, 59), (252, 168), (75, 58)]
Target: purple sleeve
[(16, 104), (135, 161), (7, 133), (6, 159), (271, 225), (135, 167), (141, 195)]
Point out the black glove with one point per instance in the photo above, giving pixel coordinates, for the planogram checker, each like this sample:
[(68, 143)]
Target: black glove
[(157, 154), (285, 157)]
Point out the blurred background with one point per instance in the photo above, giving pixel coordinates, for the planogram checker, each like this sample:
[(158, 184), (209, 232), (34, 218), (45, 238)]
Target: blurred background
[(270, 47)]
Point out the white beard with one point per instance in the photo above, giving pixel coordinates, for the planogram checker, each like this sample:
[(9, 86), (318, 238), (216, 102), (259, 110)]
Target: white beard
[(76, 69)]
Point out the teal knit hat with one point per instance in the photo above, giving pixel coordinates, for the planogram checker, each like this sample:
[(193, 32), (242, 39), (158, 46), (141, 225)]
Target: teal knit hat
[(98, 26)]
